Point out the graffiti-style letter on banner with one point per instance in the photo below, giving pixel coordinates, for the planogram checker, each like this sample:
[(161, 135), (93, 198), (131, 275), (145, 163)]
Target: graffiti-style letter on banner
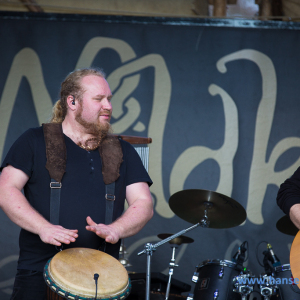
[(26, 63), (262, 171)]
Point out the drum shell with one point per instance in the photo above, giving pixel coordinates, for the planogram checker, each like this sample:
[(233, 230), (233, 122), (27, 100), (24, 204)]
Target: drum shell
[(209, 280), (51, 295), (69, 275), (286, 291)]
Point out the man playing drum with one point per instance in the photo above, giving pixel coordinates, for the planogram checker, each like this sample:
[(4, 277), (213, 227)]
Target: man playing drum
[(94, 167)]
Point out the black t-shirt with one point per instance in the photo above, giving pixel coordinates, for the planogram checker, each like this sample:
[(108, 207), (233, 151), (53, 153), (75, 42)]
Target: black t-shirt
[(82, 193), (289, 192)]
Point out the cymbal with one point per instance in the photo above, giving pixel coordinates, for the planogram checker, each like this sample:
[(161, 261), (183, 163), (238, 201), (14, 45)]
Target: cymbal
[(178, 240), (222, 211), (286, 226)]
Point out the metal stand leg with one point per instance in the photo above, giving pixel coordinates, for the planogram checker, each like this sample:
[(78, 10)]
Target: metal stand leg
[(149, 251), (171, 269), (150, 248)]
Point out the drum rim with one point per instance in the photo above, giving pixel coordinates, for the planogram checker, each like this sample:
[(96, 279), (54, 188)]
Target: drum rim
[(69, 295), (282, 268), (219, 262)]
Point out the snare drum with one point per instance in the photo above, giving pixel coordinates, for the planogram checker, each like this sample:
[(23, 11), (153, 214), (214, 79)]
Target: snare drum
[(70, 274), (215, 279)]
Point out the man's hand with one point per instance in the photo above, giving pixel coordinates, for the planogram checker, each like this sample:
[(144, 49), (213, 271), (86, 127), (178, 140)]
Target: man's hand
[(107, 232), (57, 235), (138, 213), (19, 210)]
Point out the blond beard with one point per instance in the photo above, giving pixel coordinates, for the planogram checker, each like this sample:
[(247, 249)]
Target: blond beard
[(97, 129)]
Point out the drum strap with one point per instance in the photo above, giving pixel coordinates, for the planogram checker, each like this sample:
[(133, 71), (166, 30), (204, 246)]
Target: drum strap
[(111, 155)]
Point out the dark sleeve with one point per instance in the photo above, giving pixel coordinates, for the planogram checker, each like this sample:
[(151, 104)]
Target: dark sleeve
[(289, 192), (135, 171), (20, 155)]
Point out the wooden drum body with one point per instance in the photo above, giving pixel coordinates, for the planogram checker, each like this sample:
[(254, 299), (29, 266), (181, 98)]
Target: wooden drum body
[(70, 274)]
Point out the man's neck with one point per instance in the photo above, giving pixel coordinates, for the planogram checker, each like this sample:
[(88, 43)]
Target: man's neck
[(76, 132)]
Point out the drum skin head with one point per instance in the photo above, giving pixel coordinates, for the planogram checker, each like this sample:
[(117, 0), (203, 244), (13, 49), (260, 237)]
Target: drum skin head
[(73, 271)]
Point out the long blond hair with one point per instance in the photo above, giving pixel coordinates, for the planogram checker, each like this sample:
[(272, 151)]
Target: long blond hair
[(72, 86)]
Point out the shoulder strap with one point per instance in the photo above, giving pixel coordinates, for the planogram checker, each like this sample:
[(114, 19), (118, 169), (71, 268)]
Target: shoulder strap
[(56, 151), (110, 199), (112, 157), (56, 154)]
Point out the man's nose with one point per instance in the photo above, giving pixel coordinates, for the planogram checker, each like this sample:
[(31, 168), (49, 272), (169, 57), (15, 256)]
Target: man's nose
[(107, 104)]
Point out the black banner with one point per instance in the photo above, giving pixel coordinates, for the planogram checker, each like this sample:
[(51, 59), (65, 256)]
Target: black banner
[(218, 98)]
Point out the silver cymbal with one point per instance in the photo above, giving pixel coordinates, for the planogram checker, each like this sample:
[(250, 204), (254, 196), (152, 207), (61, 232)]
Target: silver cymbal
[(221, 211)]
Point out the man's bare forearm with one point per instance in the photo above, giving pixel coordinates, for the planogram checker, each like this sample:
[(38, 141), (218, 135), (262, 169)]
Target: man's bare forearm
[(134, 218), (295, 215), (139, 212), (18, 209)]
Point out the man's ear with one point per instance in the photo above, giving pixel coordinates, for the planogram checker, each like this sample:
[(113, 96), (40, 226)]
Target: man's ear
[(71, 102)]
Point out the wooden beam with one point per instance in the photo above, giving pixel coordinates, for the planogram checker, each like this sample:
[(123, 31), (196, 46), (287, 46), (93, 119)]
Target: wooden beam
[(265, 9), (32, 6), (200, 7), (220, 8)]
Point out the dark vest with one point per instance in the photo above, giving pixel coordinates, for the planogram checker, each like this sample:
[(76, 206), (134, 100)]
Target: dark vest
[(111, 154)]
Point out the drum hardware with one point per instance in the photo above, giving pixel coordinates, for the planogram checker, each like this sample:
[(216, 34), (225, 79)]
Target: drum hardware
[(241, 283), (287, 289), (195, 275), (201, 208), (216, 294), (172, 265), (214, 280), (241, 287), (240, 256), (176, 241), (204, 221), (221, 272), (268, 288), (217, 285), (150, 248), (159, 283), (122, 255), (270, 260), (281, 283), (190, 296), (272, 257)]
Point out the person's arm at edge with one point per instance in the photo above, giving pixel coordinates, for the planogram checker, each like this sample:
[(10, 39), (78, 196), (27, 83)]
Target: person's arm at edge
[(295, 215), (288, 197), (18, 209)]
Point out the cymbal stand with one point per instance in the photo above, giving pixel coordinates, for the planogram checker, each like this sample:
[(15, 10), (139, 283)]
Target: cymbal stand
[(150, 248), (171, 269)]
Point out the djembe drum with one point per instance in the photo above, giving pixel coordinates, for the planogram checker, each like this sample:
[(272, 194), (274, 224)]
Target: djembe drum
[(70, 275)]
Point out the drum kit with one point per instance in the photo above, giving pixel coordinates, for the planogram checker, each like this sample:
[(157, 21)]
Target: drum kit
[(85, 274)]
